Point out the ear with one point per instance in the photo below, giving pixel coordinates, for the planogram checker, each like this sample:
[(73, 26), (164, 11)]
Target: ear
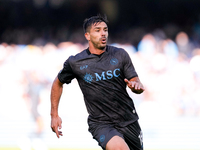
[(87, 36)]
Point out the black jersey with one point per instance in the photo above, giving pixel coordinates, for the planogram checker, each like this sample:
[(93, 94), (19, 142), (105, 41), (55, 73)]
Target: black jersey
[(101, 79)]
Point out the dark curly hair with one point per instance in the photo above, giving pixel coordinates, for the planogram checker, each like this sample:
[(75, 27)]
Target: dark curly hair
[(93, 20)]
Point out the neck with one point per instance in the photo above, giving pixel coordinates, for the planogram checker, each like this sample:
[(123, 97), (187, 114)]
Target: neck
[(96, 51)]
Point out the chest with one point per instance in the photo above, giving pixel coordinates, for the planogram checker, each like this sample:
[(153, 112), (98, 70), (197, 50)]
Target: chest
[(99, 69)]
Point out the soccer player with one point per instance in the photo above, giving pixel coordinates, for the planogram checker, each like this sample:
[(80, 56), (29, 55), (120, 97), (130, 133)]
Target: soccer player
[(103, 72)]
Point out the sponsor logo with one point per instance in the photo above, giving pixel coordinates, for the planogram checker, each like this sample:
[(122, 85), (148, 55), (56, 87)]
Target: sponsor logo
[(83, 67), (105, 75), (88, 78)]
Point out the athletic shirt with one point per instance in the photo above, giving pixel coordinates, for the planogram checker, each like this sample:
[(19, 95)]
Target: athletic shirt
[(101, 79)]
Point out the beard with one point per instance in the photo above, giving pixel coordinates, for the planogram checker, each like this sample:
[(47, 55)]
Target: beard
[(98, 44)]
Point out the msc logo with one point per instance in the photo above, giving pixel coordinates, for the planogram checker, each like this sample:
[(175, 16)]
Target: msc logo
[(103, 76), (108, 74), (88, 78)]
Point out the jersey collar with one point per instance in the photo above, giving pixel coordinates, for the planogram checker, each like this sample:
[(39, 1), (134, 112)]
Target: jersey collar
[(88, 52)]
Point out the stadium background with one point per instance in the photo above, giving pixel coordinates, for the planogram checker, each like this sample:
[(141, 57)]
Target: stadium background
[(162, 38)]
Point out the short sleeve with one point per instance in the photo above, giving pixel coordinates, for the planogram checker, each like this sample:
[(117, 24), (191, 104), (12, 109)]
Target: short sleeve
[(129, 69), (66, 74)]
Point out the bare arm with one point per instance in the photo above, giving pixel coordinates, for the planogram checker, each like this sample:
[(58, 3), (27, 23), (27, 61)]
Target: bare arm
[(135, 85), (56, 92)]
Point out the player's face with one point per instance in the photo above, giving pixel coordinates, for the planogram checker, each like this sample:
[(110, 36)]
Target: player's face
[(98, 35)]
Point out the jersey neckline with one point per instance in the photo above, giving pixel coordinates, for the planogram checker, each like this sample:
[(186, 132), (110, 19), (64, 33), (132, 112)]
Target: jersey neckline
[(88, 52)]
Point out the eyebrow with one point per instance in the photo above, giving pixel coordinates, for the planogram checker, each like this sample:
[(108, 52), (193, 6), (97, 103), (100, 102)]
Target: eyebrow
[(100, 27)]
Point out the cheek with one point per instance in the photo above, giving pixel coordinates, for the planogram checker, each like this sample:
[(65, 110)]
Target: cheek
[(107, 35), (94, 38)]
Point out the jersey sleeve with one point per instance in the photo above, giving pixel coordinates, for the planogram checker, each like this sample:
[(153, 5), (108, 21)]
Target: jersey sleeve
[(129, 69), (66, 74)]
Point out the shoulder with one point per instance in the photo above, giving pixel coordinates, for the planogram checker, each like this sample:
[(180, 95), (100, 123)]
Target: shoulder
[(83, 54), (116, 50)]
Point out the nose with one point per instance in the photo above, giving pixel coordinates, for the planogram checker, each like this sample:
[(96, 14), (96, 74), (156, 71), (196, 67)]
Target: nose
[(103, 33)]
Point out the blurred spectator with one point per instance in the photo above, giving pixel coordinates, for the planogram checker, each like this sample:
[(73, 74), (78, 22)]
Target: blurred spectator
[(184, 44), (34, 88)]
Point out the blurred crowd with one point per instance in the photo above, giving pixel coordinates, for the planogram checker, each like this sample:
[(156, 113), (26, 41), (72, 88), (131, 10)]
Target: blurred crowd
[(169, 70)]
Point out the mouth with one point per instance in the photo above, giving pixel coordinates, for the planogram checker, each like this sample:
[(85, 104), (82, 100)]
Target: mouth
[(103, 40)]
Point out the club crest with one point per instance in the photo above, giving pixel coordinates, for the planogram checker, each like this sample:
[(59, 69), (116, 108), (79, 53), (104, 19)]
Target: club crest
[(113, 61)]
